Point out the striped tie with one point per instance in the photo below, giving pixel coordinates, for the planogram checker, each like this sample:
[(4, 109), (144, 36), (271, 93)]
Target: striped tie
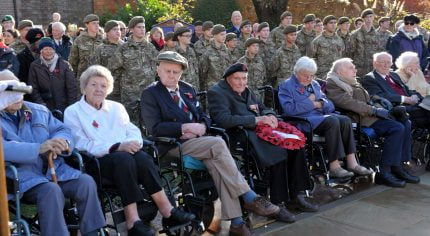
[(178, 100)]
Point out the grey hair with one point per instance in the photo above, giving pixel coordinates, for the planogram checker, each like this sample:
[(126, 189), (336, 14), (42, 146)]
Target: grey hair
[(339, 63), (405, 59), (59, 25), (379, 54), (96, 71), (7, 75), (305, 63)]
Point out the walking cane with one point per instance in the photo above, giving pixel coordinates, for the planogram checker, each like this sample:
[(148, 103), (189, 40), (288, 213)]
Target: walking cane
[(51, 167), (4, 210)]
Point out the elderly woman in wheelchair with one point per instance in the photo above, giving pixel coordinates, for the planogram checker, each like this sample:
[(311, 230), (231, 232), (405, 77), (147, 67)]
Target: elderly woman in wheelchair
[(102, 128), (301, 96), (30, 132), (233, 104), (377, 113)]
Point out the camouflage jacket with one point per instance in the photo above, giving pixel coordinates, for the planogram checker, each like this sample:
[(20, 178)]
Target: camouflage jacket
[(256, 71), (82, 49), (424, 33), (326, 49), (267, 52), (200, 46), (304, 40), (283, 63), (363, 45), (241, 44), (104, 55), (191, 74), (213, 64), (345, 38), (18, 45), (277, 36), (383, 39), (234, 54)]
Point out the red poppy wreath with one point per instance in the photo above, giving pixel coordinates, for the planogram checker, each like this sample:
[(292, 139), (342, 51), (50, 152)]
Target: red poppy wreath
[(285, 135)]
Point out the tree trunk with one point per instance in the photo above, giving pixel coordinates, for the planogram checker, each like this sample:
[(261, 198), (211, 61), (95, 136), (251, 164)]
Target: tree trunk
[(270, 10)]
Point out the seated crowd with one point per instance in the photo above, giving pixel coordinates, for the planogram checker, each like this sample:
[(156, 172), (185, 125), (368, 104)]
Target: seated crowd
[(392, 103)]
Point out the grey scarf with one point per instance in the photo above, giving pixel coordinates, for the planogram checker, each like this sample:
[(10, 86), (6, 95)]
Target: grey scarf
[(345, 84), (50, 63)]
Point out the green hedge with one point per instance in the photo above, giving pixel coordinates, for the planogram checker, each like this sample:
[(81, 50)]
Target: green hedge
[(218, 11)]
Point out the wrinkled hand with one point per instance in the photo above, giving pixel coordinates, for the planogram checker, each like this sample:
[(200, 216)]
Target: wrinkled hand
[(55, 145), (312, 97), (130, 146), (412, 100), (269, 120), (318, 104), (7, 97), (194, 128)]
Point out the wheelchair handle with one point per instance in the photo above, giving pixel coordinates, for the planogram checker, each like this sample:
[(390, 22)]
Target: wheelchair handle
[(51, 167)]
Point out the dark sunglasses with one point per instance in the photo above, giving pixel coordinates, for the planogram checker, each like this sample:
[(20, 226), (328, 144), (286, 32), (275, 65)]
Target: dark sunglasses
[(409, 23)]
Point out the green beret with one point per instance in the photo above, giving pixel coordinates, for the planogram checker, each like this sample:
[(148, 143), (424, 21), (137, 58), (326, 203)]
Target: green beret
[(285, 14), (91, 17), (329, 18), (342, 20), (230, 36), (251, 41), (290, 29), (169, 36), (383, 19), (110, 24), (207, 25), (25, 23), (7, 18), (217, 29), (174, 57), (262, 26), (135, 20), (366, 12), (179, 31), (245, 22), (309, 18)]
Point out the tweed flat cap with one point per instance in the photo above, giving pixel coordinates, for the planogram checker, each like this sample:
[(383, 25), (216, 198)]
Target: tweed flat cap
[(230, 36), (110, 24), (367, 12), (251, 41), (290, 29), (309, 18), (342, 20), (207, 25), (262, 26), (329, 18), (238, 67), (25, 23), (7, 18), (174, 57), (245, 22), (91, 17), (217, 29), (135, 20), (285, 14)]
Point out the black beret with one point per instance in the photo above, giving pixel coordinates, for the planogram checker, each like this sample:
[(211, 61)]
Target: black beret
[(262, 26), (179, 31), (198, 23), (342, 20), (309, 18), (367, 12), (230, 36), (238, 67), (251, 41), (245, 22), (285, 14), (290, 29), (383, 19), (207, 25), (218, 28), (329, 18)]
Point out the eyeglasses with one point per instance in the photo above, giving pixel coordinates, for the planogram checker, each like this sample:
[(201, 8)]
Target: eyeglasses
[(409, 23)]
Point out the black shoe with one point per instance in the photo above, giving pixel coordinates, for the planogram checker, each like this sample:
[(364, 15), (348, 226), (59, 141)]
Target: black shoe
[(389, 179), (406, 176), (304, 205), (178, 217), (285, 216), (141, 229)]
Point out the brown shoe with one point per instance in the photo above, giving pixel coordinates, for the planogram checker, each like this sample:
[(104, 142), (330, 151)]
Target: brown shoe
[(241, 230), (285, 216), (262, 207)]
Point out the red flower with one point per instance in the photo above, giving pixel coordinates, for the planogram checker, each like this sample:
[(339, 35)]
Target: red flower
[(302, 90), (95, 124), (189, 95), (266, 133)]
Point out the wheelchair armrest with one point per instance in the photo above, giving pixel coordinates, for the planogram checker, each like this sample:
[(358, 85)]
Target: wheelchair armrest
[(147, 143), (75, 160), (12, 167), (165, 140), (265, 88), (221, 132)]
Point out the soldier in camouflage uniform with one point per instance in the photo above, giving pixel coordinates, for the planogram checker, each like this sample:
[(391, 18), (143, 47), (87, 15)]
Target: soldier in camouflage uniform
[(104, 55), (215, 60), (277, 34), (358, 22), (306, 35), (231, 43), (84, 45), (343, 32), (285, 57), (383, 32), (169, 44), (20, 43), (137, 59), (183, 38), (364, 43), (267, 48), (245, 33), (204, 42), (327, 48), (254, 62)]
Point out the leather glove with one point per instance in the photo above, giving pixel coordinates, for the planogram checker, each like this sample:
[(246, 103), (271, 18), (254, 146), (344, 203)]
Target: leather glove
[(399, 113), (385, 103), (380, 112)]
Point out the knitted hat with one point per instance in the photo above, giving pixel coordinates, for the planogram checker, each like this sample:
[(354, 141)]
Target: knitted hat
[(46, 42), (217, 29), (25, 23), (110, 24), (91, 17), (135, 20), (262, 26)]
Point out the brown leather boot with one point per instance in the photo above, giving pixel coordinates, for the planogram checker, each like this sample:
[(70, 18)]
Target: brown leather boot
[(262, 207)]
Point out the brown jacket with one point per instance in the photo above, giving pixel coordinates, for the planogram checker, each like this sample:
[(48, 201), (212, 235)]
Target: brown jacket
[(357, 103), (57, 89)]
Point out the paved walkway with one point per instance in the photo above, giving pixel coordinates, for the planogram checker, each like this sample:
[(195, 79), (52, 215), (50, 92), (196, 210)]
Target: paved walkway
[(377, 211)]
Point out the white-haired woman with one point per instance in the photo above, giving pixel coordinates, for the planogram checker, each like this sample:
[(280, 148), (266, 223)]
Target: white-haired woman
[(63, 43), (103, 128), (301, 96), (408, 68)]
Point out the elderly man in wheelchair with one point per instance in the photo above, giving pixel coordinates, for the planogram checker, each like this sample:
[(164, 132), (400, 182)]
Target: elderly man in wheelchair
[(103, 128), (30, 132), (170, 109)]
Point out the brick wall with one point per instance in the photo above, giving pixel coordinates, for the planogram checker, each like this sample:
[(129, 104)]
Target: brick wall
[(6, 7)]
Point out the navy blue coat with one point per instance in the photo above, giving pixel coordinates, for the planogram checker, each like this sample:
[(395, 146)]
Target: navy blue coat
[(400, 43), (64, 49), (8, 60), (234, 30)]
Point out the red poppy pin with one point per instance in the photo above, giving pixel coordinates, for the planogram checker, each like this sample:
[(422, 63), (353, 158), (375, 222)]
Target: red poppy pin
[(27, 115), (302, 90), (189, 95), (95, 124)]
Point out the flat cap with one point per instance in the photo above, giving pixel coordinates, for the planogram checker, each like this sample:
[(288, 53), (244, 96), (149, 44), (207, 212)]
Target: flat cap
[(290, 29), (309, 18), (7, 18), (174, 57), (383, 19), (367, 12), (342, 20), (251, 41), (218, 28), (34, 34), (110, 24), (198, 23), (135, 20), (411, 18), (230, 36), (25, 23), (237, 67), (285, 14), (169, 36), (329, 18), (91, 17), (245, 22), (179, 31), (207, 25), (262, 26)]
